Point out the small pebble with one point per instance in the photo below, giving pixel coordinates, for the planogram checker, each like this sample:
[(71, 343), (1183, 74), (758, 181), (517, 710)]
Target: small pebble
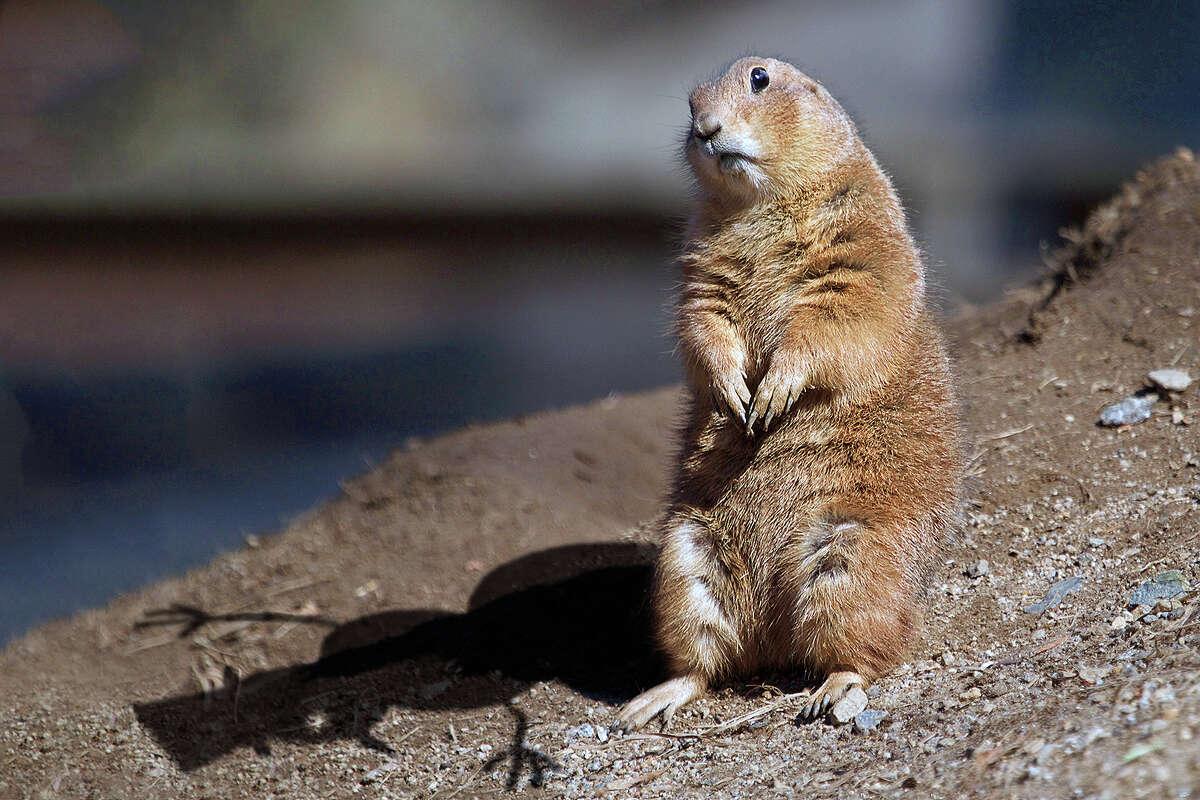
[(1164, 694), (380, 771), (978, 569), (868, 719), (584, 731), (849, 707), (1130, 411), (1165, 585), (1094, 675), (1173, 380), (1056, 594)]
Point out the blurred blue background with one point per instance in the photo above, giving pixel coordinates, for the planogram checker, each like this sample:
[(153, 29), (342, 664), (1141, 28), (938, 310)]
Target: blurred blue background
[(249, 247)]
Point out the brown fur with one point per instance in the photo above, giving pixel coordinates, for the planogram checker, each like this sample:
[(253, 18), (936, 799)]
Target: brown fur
[(819, 465)]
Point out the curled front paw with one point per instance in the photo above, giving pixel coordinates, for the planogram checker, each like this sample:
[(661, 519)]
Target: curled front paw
[(778, 391), (731, 394)]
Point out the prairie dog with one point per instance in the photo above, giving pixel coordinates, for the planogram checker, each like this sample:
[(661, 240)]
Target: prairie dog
[(819, 464)]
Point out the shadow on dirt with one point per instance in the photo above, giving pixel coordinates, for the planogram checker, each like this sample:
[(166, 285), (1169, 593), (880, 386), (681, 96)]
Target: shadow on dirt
[(574, 614)]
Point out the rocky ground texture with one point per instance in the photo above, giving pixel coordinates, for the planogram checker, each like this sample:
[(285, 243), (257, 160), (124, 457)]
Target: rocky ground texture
[(464, 619)]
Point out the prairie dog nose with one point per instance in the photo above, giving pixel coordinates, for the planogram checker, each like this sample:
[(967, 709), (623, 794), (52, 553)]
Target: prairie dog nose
[(706, 125)]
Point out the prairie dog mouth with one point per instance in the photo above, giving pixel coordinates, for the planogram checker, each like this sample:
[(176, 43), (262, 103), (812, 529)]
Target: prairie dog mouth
[(729, 159), (733, 161)]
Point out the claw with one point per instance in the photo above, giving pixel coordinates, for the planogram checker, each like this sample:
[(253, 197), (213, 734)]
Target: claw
[(741, 413), (809, 711), (730, 396)]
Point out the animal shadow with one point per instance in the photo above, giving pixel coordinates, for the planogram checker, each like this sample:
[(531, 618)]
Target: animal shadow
[(574, 614)]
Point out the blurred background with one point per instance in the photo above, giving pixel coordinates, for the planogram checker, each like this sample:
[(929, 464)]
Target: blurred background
[(249, 246)]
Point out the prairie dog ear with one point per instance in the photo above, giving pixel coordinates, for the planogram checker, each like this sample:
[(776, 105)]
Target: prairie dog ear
[(811, 86)]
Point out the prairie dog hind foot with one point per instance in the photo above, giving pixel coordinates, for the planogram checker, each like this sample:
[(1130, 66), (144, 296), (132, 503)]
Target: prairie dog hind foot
[(828, 693), (664, 699)]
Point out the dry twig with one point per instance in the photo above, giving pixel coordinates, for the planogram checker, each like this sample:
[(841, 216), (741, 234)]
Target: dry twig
[(1006, 434)]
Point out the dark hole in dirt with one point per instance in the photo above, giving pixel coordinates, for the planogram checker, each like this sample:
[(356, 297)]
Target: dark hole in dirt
[(574, 614)]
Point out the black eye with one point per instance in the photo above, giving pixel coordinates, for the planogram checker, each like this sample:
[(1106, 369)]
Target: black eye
[(759, 79)]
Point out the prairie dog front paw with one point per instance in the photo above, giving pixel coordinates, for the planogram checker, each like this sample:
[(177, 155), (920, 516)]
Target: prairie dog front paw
[(777, 392), (727, 379), (732, 394)]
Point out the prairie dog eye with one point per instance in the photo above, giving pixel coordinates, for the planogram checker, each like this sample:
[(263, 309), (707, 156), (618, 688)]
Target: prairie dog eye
[(759, 79)]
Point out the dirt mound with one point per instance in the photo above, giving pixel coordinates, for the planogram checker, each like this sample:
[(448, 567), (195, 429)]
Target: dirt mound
[(463, 619), (1126, 245)]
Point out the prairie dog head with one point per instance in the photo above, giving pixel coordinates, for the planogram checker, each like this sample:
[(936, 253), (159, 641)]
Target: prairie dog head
[(765, 129)]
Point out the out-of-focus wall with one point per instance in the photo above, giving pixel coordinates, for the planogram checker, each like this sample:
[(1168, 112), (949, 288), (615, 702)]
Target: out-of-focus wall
[(535, 105)]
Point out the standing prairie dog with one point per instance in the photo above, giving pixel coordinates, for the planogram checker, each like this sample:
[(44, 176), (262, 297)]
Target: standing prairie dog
[(819, 466)]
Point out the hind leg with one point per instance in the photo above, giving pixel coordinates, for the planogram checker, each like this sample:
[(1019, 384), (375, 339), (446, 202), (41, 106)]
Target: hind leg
[(696, 627), (855, 611), (664, 699)]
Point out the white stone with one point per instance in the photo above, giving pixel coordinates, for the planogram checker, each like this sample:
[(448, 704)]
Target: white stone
[(1173, 380), (1094, 675), (849, 706)]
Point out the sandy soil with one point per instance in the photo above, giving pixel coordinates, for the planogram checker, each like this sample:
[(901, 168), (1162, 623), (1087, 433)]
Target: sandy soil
[(463, 620)]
